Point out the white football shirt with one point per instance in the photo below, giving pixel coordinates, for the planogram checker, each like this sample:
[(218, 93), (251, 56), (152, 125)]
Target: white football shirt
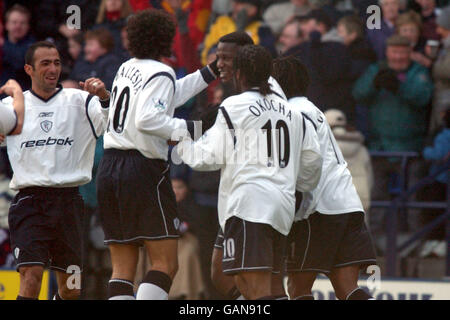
[(335, 193), (57, 144), (8, 119), (269, 151)]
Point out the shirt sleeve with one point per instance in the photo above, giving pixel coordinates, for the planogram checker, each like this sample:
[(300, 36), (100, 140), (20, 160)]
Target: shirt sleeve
[(310, 161), (191, 85), (8, 118), (155, 108), (97, 114), (209, 152)]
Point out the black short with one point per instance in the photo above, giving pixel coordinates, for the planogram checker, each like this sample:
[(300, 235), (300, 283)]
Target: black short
[(249, 246), (324, 242), (136, 199), (45, 226)]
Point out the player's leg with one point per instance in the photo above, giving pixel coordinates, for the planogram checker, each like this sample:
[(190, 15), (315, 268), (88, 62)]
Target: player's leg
[(124, 259), (222, 282), (254, 285), (67, 288), (121, 203), (30, 282), (356, 251), (30, 230), (66, 249), (345, 283), (300, 285), (164, 265)]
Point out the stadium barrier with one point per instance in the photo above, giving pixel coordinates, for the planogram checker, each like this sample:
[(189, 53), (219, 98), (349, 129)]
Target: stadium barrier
[(400, 202)]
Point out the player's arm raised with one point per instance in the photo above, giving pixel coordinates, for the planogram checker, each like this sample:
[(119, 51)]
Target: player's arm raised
[(310, 161), (97, 104), (194, 83), (10, 123)]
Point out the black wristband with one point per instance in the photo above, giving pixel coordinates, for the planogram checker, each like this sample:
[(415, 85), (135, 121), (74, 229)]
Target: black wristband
[(207, 74)]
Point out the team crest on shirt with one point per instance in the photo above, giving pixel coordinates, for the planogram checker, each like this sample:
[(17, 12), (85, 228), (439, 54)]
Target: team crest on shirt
[(46, 125), (159, 104)]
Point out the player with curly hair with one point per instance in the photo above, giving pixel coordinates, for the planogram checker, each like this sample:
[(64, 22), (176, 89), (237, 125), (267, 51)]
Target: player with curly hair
[(136, 201)]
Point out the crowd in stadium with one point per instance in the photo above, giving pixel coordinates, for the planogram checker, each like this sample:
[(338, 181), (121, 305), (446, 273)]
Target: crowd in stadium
[(383, 80)]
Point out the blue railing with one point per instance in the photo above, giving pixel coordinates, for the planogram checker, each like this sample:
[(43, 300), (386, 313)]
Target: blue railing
[(401, 202)]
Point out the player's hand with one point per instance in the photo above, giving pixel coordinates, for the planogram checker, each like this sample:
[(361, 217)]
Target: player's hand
[(213, 67), (11, 88), (96, 87), (2, 138)]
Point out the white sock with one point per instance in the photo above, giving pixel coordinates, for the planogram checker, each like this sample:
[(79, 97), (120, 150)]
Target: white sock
[(124, 297), (149, 291)]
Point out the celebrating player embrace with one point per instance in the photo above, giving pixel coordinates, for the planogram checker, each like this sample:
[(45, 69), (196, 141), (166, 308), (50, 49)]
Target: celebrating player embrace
[(256, 195)]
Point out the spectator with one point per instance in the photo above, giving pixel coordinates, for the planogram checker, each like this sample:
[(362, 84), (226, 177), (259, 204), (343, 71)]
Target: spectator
[(291, 35), (439, 155), (139, 5), (112, 16), (351, 143), (17, 42), (192, 18), (221, 7), (188, 283), (278, 14), (75, 45), (98, 60), (441, 71), (397, 92), (328, 64), (245, 16), (53, 18), (351, 30), (52, 23), (428, 12), (377, 37), (409, 25)]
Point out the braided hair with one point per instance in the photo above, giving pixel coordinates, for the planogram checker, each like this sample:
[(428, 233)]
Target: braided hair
[(255, 65), (291, 75)]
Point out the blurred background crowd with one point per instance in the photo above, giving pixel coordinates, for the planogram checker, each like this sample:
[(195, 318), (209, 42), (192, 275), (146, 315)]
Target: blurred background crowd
[(383, 77)]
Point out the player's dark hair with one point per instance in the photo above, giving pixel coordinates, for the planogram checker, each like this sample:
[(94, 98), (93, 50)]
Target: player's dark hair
[(239, 38), (255, 66), (151, 33), (292, 75), (29, 55)]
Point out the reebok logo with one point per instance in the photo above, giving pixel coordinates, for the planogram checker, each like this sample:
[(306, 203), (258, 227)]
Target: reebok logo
[(49, 142)]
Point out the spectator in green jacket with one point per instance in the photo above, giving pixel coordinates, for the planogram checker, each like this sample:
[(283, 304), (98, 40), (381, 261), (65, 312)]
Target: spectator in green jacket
[(397, 92)]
